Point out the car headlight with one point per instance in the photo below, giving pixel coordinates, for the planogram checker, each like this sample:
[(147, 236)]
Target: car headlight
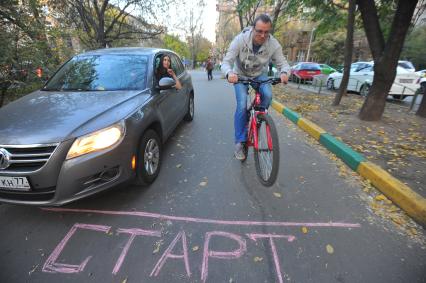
[(98, 140)]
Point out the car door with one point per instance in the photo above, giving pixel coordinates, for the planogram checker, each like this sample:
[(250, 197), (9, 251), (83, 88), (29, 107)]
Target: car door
[(359, 76), (181, 94), (165, 102)]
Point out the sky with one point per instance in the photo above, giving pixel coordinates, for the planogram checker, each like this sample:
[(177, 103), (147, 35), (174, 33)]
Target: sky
[(209, 19)]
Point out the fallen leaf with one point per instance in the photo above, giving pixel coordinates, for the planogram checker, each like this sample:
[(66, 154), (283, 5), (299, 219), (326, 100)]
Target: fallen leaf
[(380, 197), (330, 249), (257, 259), (304, 230), (124, 281), (203, 184), (195, 248), (278, 195), (157, 246), (179, 165)]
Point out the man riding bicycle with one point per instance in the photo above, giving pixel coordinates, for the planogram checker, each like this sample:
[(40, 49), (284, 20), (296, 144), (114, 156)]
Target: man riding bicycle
[(251, 51)]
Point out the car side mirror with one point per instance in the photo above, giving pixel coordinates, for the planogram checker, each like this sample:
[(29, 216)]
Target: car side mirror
[(166, 83)]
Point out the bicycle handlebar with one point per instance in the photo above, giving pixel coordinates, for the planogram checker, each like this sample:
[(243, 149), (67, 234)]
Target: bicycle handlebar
[(273, 81)]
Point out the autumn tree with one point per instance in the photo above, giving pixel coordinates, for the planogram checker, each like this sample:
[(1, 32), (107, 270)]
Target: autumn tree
[(385, 51), (103, 23), (331, 16), (414, 47), (173, 42), (24, 45)]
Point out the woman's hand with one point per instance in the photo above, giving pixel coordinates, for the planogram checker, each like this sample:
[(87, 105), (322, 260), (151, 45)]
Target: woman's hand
[(171, 73)]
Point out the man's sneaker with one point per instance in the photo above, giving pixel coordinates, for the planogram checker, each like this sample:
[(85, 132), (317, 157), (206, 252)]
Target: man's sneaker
[(239, 152)]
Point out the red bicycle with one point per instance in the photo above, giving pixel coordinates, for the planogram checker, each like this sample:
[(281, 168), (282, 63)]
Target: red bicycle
[(262, 135)]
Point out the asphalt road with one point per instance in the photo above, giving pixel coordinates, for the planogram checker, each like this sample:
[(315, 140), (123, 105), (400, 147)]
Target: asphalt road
[(207, 219)]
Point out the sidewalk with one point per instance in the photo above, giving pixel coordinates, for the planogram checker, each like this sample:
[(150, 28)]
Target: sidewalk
[(397, 144)]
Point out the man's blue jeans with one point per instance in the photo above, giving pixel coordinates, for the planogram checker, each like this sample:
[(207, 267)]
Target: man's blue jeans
[(240, 116)]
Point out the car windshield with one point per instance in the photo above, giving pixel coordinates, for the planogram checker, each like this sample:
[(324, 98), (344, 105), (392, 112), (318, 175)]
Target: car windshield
[(101, 72), (406, 65), (308, 66)]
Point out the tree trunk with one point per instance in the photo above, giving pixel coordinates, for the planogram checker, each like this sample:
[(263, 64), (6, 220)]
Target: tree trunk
[(422, 108), (3, 94), (374, 104), (349, 44), (385, 54), (4, 87)]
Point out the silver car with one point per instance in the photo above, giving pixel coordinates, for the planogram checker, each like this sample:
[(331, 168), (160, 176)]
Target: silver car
[(99, 121)]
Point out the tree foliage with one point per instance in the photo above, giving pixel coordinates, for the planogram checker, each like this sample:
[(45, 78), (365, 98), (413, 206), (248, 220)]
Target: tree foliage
[(414, 48), (24, 45), (329, 47), (205, 46), (173, 42), (103, 23)]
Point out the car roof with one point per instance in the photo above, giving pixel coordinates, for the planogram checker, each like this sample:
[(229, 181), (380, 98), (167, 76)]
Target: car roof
[(127, 51)]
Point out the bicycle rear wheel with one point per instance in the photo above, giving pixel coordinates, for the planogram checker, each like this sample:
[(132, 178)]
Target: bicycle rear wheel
[(267, 156)]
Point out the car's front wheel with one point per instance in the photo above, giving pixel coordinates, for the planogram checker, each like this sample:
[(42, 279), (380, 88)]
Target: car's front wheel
[(364, 90), (189, 116), (330, 84), (399, 97), (149, 158)]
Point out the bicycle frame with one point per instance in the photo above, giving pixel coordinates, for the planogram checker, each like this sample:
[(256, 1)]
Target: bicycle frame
[(252, 139)]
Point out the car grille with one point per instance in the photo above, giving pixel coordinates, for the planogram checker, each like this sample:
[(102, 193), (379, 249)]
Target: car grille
[(27, 158), (41, 195)]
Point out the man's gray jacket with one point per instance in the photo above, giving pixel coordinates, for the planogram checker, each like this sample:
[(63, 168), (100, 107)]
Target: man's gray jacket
[(248, 63)]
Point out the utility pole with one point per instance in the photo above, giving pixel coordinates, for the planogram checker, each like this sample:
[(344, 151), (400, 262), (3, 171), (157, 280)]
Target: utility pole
[(309, 46)]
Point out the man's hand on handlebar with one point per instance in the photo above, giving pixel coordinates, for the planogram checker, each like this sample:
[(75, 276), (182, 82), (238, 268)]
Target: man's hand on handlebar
[(284, 78), (232, 78)]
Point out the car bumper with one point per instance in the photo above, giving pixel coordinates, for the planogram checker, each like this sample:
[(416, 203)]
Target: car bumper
[(62, 181)]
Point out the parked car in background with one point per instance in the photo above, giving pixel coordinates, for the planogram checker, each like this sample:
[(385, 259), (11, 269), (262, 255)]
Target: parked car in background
[(339, 74), (406, 65), (361, 79), (326, 69), (304, 71), (99, 121), (421, 73)]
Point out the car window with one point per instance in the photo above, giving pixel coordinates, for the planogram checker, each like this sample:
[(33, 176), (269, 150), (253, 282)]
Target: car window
[(406, 65), (177, 64), (308, 66), (101, 72)]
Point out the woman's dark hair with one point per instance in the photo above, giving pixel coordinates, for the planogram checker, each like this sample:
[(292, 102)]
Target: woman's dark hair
[(263, 18), (161, 72)]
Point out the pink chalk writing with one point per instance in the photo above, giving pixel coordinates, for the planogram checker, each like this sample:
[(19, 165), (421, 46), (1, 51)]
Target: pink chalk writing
[(206, 221), (271, 237), (52, 266), (167, 254), (133, 233), (220, 254)]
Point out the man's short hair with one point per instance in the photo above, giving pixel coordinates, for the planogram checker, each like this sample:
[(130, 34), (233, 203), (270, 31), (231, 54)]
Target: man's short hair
[(262, 17)]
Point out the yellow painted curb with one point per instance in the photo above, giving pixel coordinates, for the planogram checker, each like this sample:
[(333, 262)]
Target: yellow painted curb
[(311, 128), (413, 203), (278, 106)]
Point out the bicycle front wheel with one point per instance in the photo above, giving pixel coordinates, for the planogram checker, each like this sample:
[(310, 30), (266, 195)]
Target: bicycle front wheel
[(267, 155)]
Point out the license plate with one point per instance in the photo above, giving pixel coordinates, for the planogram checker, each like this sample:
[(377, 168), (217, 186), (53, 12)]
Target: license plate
[(14, 183), (311, 72), (406, 81)]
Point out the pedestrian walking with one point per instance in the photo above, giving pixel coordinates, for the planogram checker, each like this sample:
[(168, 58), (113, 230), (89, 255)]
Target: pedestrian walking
[(209, 68)]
